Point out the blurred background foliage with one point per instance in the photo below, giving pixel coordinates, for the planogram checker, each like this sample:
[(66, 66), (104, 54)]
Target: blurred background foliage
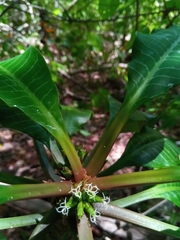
[(87, 45)]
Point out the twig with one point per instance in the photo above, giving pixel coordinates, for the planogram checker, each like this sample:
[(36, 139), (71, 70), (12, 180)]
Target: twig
[(63, 73), (154, 207), (9, 7), (137, 15)]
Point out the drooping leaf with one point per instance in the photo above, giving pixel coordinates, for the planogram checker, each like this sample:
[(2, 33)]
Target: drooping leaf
[(148, 148), (136, 121), (155, 67), (107, 8)]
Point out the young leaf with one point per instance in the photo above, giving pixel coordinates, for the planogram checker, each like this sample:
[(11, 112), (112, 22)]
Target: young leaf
[(155, 67), (149, 148)]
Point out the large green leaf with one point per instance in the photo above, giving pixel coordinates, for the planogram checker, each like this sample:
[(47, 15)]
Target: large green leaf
[(25, 82), (148, 148), (155, 67), (169, 191)]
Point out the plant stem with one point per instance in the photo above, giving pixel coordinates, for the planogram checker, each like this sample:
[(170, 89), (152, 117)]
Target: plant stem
[(72, 156), (166, 175), (20, 221), (27, 191), (84, 229), (98, 156), (138, 219)]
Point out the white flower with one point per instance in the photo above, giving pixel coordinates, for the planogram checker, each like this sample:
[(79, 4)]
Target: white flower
[(77, 190), (94, 216), (106, 200), (63, 208), (91, 190)]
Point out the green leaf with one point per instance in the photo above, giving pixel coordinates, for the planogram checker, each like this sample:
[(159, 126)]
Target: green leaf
[(135, 122), (107, 8), (25, 82), (74, 118), (148, 148), (11, 179), (95, 41), (169, 191), (14, 118), (155, 67), (170, 156), (172, 4), (45, 224)]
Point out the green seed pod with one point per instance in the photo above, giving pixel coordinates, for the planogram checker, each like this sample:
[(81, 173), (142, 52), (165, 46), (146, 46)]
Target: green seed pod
[(71, 202), (80, 210), (89, 209), (85, 196), (95, 199)]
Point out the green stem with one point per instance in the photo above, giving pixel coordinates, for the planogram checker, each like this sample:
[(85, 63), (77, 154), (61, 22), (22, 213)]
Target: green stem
[(166, 175), (72, 156), (21, 221), (98, 156), (27, 191)]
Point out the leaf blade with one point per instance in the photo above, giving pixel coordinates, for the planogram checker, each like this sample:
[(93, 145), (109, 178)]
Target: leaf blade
[(155, 67)]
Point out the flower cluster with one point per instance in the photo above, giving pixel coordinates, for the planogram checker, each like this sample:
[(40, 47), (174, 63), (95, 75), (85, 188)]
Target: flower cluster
[(83, 195)]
